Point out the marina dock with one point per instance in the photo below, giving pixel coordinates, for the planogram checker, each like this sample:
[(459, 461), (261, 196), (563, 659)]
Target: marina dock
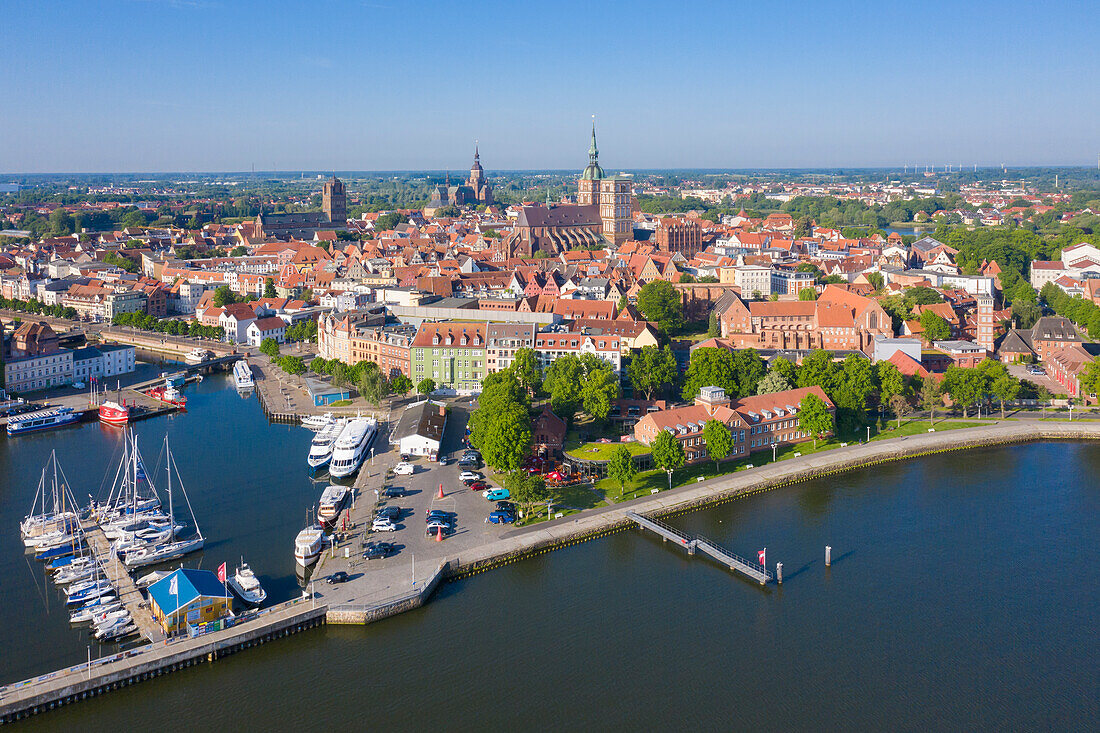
[(127, 590)]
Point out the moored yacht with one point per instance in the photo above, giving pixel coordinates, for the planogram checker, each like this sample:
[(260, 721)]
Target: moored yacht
[(332, 503), (113, 413), (318, 422), (196, 355), (320, 448), (246, 585), (30, 422), (307, 545), (242, 375), (351, 447)]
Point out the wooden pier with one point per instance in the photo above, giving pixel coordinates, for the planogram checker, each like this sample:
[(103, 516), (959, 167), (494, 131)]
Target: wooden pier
[(46, 692), (125, 587), (691, 543)]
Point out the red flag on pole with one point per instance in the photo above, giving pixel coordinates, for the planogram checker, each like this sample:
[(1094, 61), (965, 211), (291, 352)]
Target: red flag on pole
[(762, 556), (221, 572)]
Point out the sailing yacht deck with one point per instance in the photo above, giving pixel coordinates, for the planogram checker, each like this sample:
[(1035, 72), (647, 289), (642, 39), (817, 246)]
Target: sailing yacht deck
[(127, 590)]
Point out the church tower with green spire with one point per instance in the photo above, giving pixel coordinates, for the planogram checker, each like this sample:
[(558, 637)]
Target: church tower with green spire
[(611, 194)]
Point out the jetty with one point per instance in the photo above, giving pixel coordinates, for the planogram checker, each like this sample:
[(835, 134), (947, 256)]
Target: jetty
[(125, 587), (95, 677), (691, 543)]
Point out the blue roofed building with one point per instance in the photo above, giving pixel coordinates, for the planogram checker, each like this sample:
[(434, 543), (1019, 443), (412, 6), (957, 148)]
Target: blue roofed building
[(188, 597)]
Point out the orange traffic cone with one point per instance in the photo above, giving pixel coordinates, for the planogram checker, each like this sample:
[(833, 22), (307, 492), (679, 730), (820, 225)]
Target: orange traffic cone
[(440, 492), (439, 534)]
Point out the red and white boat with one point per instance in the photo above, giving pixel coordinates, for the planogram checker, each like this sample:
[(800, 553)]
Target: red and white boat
[(171, 395), (113, 413)]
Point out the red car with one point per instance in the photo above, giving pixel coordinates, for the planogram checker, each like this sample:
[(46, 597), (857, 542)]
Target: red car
[(479, 486)]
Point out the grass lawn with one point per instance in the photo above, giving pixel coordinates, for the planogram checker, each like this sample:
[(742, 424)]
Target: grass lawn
[(340, 403), (603, 451)]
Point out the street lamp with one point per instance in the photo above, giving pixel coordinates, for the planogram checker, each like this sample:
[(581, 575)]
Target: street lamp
[(774, 446), (868, 433)]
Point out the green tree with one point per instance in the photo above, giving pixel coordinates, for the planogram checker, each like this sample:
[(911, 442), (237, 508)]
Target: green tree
[(601, 386), (1005, 388), (506, 440), (292, 364), (785, 369), (818, 368), (400, 384), (876, 280), (807, 294), (714, 327), (718, 439), (710, 367), (668, 454), (749, 369), (651, 370), (223, 296), (61, 222), (814, 417), (936, 328), (426, 386), (891, 381), (1090, 377), (931, 396), (270, 347), (564, 382), (525, 366), (269, 288), (620, 467), (372, 385), (385, 222), (965, 385), (528, 490), (660, 302), (772, 382), (500, 392), (238, 251)]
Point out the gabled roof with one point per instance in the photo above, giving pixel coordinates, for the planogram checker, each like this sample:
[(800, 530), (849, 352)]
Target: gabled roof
[(189, 585)]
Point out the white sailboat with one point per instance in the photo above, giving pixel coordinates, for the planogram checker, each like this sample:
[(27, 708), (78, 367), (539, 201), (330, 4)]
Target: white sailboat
[(53, 511), (153, 554)]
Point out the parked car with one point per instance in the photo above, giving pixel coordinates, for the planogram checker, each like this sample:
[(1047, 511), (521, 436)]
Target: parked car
[(469, 476), (478, 486), (444, 461), (1038, 371), (506, 506), (393, 492), (438, 515), (392, 513), (496, 494), (338, 577), (501, 516), (406, 457), (381, 524), (439, 529), (379, 550), (404, 469)]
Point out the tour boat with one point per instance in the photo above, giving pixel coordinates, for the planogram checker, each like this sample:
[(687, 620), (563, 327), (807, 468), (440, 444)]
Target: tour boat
[(196, 355), (113, 413), (30, 422), (318, 422), (320, 448), (171, 395), (307, 545), (351, 447), (247, 586), (242, 375), (332, 502)]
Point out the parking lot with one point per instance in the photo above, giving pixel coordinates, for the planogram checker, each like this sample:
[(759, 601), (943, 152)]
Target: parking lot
[(1020, 371), (418, 555)]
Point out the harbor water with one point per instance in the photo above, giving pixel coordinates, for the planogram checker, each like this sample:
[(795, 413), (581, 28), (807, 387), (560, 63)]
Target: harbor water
[(963, 594)]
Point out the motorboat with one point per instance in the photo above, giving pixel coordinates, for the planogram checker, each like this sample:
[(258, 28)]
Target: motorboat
[(332, 503), (320, 448), (317, 422), (307, 545), (197, 355), (113, 413), (242, 375), (246, 585), (118, 631), (149, 578), (351, 447), (167, 394), (30, 422)]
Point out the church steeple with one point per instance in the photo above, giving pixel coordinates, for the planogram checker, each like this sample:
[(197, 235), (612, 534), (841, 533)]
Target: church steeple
[(593, 172)]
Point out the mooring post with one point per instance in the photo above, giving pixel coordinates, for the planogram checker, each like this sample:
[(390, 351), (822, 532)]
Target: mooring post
[(779, 573), (828, 555)]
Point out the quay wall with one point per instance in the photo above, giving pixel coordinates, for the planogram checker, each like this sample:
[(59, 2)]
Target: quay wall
[(571, 531), (160, 343), (79, 682), (369, 613)]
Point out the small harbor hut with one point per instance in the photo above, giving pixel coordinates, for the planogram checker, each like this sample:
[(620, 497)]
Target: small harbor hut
[(188, 597)]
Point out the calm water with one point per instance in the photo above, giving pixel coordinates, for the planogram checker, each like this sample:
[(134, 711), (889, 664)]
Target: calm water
[(963, 595)]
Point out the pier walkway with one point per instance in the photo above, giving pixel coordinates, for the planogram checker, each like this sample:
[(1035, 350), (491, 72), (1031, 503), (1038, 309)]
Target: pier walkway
[(124, 585), (691, 543), (26, 698)]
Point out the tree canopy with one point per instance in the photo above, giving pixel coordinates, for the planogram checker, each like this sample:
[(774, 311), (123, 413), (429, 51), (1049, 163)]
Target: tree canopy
[(658, 301)]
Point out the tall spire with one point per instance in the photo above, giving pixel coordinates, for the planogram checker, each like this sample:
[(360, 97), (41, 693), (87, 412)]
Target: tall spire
[(593, 151), (593, 172)]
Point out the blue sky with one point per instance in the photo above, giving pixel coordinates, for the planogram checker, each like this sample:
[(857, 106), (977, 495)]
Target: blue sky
[(200, 85)]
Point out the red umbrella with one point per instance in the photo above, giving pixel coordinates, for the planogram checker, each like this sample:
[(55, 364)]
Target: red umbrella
[(554, 476)]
